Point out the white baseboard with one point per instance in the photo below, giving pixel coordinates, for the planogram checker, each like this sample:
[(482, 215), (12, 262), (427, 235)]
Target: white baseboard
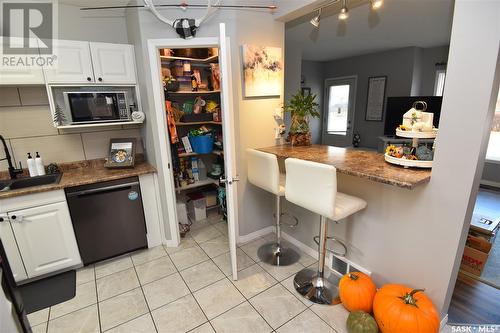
[(301, 246), (254, 235), (170, 243)]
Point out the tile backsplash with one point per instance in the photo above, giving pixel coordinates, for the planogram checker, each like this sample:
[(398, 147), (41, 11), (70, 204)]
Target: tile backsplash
[(26, 124)]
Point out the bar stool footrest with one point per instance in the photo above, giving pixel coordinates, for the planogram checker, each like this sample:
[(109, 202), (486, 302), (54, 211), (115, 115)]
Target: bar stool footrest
[(290, 225), (316, 240)]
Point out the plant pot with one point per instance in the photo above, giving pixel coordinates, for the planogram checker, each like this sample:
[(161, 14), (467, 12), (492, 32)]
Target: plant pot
[(300, 139)]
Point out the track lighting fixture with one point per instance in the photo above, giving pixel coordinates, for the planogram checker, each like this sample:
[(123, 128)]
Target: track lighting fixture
[(316, 20), (344, 12), (376, 4)]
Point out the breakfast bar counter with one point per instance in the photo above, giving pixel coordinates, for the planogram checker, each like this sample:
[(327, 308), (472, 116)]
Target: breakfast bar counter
[(355, 162)]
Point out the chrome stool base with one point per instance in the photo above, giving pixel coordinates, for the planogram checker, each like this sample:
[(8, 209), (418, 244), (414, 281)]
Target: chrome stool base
[(276, 255), (320, 290)]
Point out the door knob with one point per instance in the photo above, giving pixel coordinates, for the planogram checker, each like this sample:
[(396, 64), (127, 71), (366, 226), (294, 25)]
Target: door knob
[(229, 181)]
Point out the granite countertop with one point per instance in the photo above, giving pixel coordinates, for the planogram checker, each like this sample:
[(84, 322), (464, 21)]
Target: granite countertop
[(356, 162), (82, 173)]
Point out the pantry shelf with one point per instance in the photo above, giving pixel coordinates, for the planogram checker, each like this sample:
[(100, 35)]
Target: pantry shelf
[(215, 152), (198, 123), (199, 183), (199, 92)]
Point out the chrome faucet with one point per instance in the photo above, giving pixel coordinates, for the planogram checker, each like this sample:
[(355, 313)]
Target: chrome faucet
[(13, 172)]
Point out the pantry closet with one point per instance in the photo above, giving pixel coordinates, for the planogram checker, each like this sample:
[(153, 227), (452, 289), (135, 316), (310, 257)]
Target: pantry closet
[(197, 129)]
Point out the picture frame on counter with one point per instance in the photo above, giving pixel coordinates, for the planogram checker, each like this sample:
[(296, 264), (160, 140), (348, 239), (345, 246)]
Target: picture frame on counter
[(375, 98), (121, 153)]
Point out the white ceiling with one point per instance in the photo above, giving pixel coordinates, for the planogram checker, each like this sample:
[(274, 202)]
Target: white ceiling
[(104, 3), (399, 23)]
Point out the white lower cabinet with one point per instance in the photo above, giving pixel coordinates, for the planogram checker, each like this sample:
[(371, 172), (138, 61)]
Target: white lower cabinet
[(38, 240), (13, 255)]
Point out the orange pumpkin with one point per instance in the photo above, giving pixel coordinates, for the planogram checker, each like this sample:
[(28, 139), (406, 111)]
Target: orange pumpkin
[(356, 291), (398, 308)]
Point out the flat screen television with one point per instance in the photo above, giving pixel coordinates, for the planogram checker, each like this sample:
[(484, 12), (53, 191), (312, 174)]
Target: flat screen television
[(397, 107)]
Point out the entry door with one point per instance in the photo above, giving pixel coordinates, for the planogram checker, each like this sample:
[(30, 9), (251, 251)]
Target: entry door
[(229, 145), (338, 114)]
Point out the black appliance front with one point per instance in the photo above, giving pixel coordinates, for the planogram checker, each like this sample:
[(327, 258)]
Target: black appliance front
[(95, 106), (108, 218)]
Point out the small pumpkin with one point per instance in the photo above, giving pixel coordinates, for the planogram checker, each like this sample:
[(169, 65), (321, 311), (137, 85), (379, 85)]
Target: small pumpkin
[(398, 308), (361, 322), (356, 291)]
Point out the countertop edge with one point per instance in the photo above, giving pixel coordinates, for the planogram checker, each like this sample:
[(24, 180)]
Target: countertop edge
[(59, 186)]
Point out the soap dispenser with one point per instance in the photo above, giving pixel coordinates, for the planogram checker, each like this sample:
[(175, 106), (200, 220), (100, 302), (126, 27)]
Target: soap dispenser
[(31, 166), (39, 165)]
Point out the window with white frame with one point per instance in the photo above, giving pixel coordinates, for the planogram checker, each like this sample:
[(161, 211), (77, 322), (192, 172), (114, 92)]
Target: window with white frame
[(439, 83), (493, 152)]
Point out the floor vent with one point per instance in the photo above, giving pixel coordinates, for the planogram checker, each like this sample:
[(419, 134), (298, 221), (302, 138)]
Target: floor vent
[(342, 266)]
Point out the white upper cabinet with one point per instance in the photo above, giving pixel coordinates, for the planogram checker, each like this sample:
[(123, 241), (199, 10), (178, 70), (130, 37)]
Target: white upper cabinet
[(14, 73), (73, 63), (113, 63), (45, 238), (10, 246)]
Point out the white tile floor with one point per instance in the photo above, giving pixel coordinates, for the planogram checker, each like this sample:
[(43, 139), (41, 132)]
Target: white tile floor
[(189, 289)]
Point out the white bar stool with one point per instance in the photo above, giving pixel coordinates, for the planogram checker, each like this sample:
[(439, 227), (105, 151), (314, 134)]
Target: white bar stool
[(263, 171), (313, 186)]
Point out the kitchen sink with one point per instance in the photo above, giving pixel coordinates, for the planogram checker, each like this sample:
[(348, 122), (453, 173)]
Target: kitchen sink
[(16, 184)]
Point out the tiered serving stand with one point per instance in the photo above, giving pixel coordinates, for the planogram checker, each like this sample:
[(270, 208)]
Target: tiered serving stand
[(416, 136)]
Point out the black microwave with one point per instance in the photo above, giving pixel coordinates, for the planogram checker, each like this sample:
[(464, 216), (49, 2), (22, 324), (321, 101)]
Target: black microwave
[(97, 106)]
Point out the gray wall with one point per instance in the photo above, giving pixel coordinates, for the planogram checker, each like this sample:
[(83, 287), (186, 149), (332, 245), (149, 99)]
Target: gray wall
[(313, 74), (397, 65), (430, 57)]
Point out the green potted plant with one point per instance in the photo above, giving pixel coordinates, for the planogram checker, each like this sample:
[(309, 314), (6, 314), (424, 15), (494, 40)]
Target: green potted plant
[(302, 108)]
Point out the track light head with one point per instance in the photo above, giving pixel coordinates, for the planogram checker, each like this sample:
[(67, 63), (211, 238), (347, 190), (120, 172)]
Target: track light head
[(315, 21), (376, 4), (344, 13)]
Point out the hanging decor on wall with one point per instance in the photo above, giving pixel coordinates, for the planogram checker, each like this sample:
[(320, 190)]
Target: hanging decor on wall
[(262, 71), (185, 27), (375, 98)]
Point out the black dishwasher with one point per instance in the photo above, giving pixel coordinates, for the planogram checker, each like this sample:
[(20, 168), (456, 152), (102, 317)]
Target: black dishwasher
[(108, 218)]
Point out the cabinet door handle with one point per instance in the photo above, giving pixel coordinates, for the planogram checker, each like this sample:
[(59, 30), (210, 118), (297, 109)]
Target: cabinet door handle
[(89, 79), (100, 79), (3, 219)]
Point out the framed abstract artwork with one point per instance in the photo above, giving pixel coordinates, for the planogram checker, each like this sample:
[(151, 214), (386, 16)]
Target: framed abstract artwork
[(262, 71)]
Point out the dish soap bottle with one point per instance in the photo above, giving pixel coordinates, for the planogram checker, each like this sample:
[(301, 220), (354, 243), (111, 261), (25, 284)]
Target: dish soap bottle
[(31, 166), (39, 165)]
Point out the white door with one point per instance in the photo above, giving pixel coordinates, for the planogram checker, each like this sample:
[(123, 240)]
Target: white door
[(45, 238), (229, 145), (338, 114), (113, 63), (13, 72), (9, 243), (73, 63)]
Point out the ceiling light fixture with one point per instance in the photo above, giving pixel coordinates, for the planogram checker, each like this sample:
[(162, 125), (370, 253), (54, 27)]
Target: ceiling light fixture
[(376, 4), (316, 19), (344, 12)]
